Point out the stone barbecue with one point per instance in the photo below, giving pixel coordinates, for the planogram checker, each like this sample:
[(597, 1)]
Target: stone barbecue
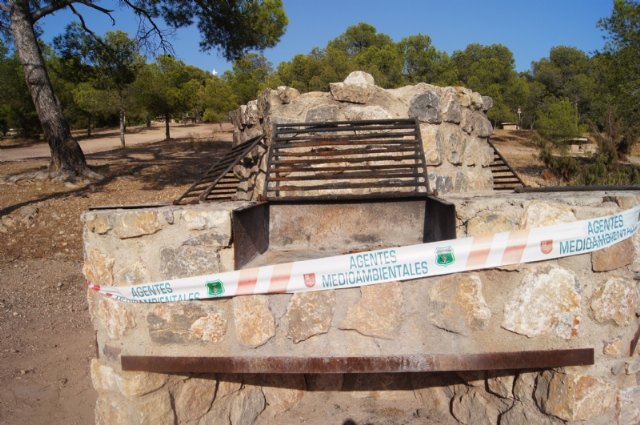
[(551, 342)]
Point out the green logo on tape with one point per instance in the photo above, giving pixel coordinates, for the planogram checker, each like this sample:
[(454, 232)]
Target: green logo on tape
[(445, 256), (215, 288)]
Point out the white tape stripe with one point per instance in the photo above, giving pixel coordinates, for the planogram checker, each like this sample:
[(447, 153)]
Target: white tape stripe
[(394, 264)]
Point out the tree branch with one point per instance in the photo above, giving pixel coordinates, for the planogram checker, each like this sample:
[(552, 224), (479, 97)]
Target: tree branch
[(98, 8), (84, 26), (145, 33), (48, 10)]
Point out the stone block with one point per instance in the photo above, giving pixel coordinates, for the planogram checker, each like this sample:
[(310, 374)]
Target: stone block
[(451, 109), (97, 223), (368, 112), (310, 314), (322, 113), (115, 317), (614, 348), (282, 392), (126, 383), (615, 301), (245, 406), (456, 304), (477, 152), (379, 311), (194, 398), (547, 301), (352, 93), (487, 103), (500, 383), (287, 94), (133, 274), (477, 407), (543, 213), (481, 125), (431, 144), (574, 397), (527, 414), (453, 141), (153, 409), (135, 223), (98, 268), (111, 410), (489, 222), (205, 219), (614, 257), (360, 78), (254, 322), (186, 323), (467, 121), (477, 102), (628, 405), (188, 261), (426, 107)]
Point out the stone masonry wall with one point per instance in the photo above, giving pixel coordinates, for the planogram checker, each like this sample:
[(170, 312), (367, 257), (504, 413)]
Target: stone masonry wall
[(588, 300), (453, 126)]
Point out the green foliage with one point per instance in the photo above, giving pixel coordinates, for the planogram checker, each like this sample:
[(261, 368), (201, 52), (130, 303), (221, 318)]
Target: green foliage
[(217, 100), (16, 107), (233, 27), (557, 121), (248, 76), (422, 62)]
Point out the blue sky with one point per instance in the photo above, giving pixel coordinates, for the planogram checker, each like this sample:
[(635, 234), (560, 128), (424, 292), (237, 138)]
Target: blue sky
[(528, 28)]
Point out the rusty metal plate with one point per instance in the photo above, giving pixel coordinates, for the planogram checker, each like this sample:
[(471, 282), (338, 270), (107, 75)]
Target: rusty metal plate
[(539, 359)]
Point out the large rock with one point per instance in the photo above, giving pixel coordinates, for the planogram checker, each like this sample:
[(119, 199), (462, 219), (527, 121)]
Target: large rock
[(322, 114), (431, 144), (356, 88), (254, 322), (98, 268), (282, 392), (132, 224), (574, 397), (527, 414), (489, 222), (451, 110), (614, 257), (542, 213), (477, 407), (426, 107), (186, 323), (456, 304), (309, 314), (245, 406), (629, 406), (194, 398), (481, 125), (379, 311), (153, 409), (187, 261), (616, 300), (204, 219), (368, 112), (115, 317), (547, 301)]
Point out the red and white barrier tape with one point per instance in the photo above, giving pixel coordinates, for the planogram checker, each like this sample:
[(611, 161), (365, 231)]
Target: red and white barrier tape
[(393, 264)]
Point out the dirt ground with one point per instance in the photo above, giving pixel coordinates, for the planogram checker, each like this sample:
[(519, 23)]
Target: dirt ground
[(46, 338)]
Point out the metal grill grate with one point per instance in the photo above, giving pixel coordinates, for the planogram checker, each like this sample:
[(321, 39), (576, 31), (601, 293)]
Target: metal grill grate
[(346, 158), (219, 182)]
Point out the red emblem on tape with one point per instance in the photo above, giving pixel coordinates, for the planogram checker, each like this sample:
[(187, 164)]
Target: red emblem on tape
[(546, 246), (309, 280)]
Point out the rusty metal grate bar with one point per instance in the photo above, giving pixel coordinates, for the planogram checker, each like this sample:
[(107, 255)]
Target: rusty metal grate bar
[(219, 182), (537, 359), (346, 158)]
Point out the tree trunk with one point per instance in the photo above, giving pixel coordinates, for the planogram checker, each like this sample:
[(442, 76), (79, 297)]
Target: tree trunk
[(90, 123), (148, 122), (122, 128), (67, 158), (167, 119)]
